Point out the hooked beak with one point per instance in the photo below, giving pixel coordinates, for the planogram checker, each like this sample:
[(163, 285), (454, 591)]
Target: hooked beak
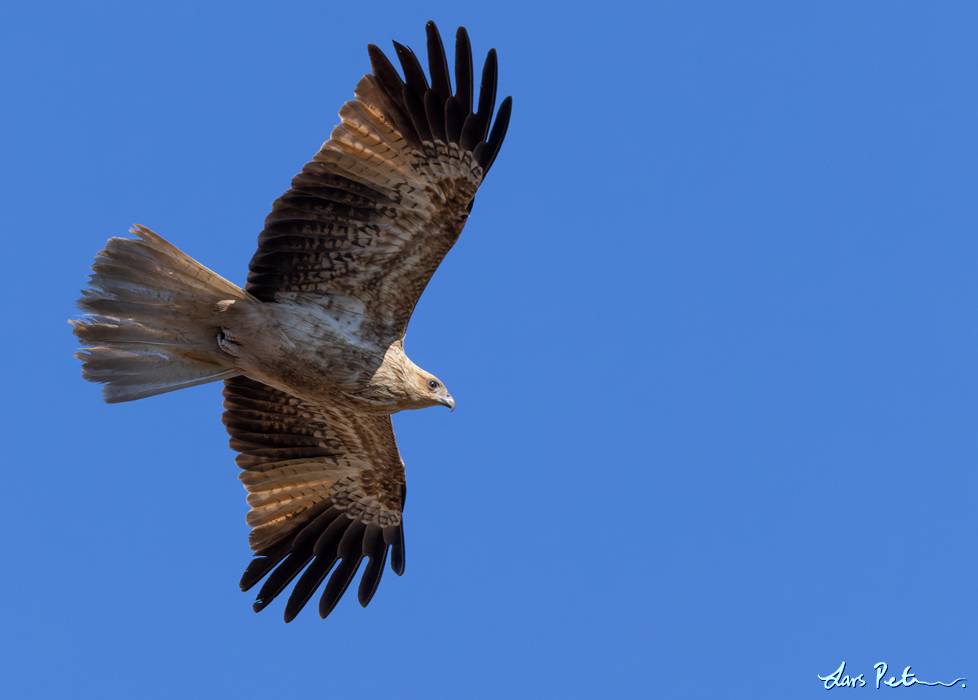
[(450, 402)]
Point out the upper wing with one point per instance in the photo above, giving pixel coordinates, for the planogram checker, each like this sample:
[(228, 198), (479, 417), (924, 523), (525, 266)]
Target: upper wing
[(323, 486), (374, 213)]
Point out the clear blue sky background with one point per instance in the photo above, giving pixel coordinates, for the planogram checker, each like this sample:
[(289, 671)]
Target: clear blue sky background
[(711, 330)]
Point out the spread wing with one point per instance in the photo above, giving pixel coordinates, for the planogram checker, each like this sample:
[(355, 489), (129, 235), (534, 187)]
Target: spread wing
[(323, 487), (374, 213)]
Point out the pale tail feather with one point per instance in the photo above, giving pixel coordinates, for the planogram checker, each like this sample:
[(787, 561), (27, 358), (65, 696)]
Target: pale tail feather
[(150, 325)]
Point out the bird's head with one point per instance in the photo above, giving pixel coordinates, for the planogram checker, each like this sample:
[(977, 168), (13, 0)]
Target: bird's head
[(428, 390), (408, 384)]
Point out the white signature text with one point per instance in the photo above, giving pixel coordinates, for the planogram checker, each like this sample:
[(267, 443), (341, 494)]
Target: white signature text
[(840, 679)]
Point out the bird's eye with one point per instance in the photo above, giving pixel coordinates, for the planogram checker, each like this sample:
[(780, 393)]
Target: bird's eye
[(432, 384)]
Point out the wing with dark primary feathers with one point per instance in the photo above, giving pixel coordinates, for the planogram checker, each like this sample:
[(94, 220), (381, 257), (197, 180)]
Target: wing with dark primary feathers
[(379, 206), (323, 487)]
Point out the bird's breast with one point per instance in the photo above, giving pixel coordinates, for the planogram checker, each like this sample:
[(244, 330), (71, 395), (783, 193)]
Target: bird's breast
[(316, 351)]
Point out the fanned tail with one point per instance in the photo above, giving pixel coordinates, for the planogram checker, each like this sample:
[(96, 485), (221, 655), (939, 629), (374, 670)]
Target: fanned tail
[(151, 324)]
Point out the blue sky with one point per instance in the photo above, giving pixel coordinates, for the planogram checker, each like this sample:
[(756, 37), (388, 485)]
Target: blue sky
[(711, 330)]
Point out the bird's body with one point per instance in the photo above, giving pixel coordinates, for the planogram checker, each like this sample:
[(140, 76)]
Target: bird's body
[(312, 349), (320, 355)]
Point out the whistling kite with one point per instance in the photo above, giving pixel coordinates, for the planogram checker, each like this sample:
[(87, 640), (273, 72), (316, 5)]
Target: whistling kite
[(311, 351)]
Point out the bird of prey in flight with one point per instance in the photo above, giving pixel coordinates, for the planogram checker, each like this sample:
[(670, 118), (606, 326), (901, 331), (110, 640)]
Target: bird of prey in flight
[(311, 351)]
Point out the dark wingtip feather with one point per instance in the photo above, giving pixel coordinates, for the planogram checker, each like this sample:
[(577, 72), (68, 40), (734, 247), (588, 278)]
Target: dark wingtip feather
[(499, 129), (441, 81), (476, 126), (413, 72), (306, 586), (338, 583), (463, 70), (487, 93), (435, 112), (261, 565), (281, 577), (385, 72), (328, 542), (415, 87), (370, 581), (387, 76), (453, 120), (394, 536), (350, 551), (381, 65)]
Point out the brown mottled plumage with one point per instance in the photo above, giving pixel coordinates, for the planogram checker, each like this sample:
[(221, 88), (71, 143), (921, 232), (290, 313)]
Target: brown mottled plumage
[(311, 350)]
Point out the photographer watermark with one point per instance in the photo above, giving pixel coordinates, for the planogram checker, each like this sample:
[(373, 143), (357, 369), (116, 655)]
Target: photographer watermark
[(840, 679)]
